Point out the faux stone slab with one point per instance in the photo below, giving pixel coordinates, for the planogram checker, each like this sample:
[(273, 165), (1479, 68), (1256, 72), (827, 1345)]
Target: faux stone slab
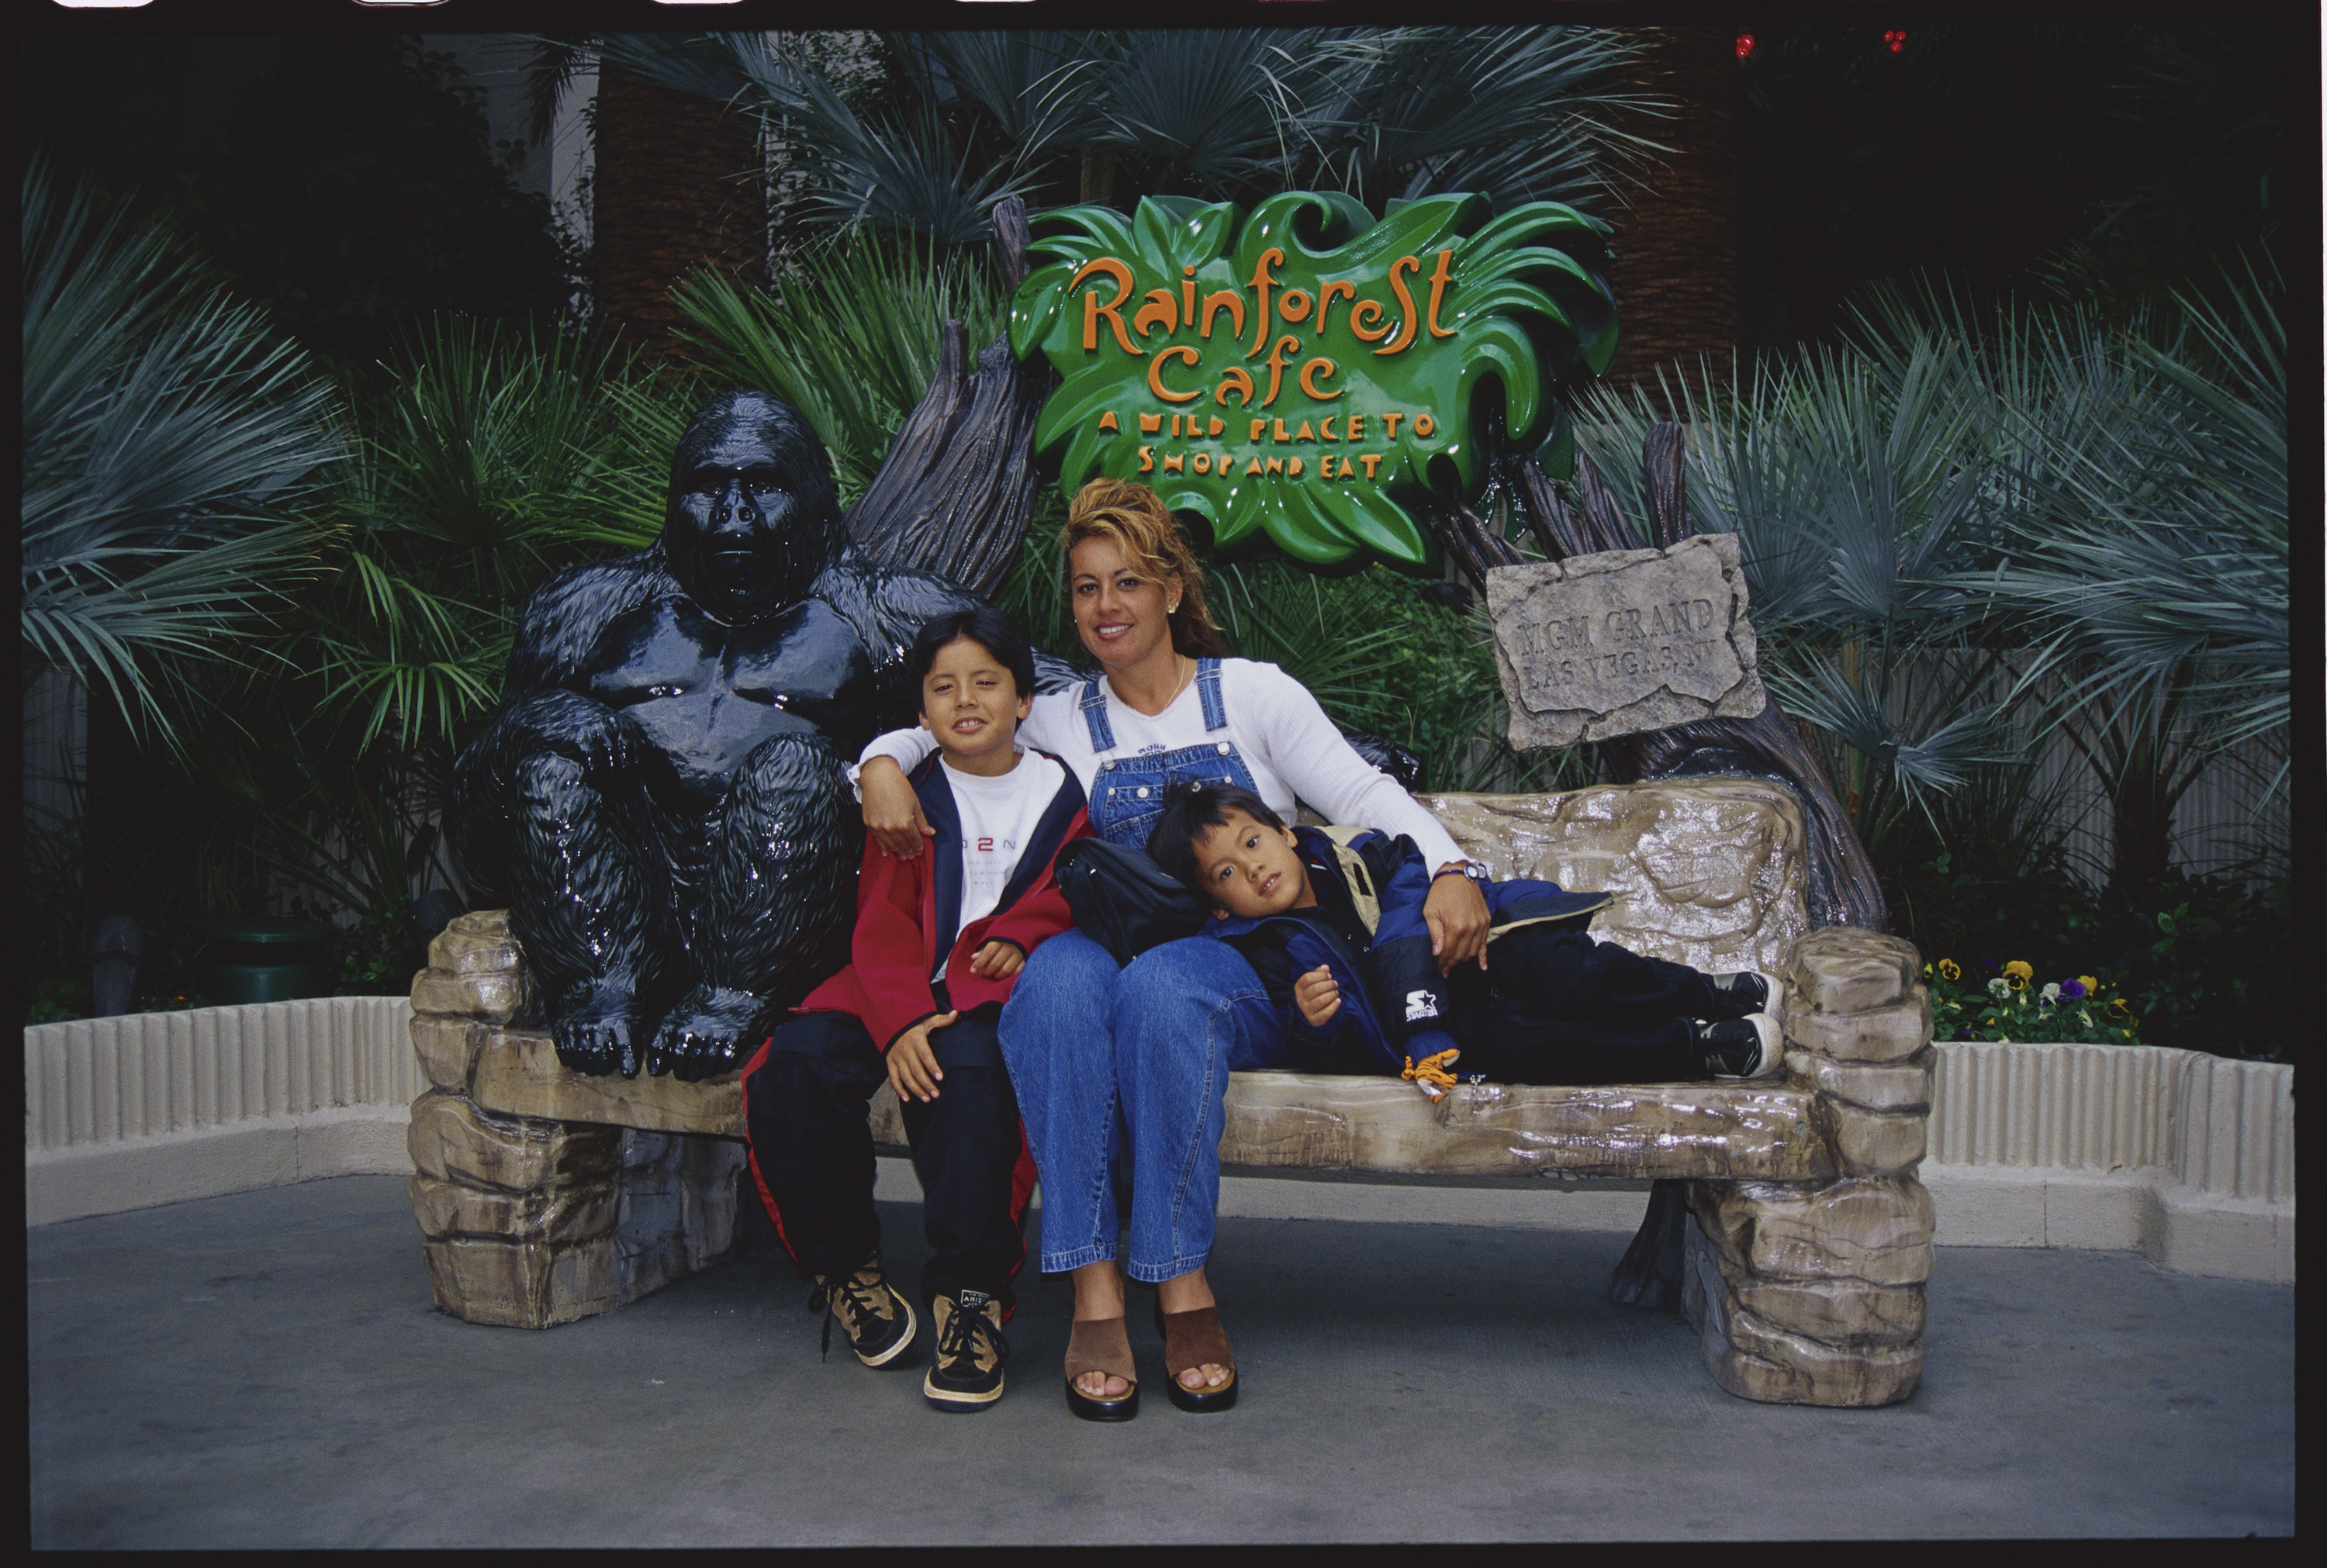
[(527, 1284), (1706, 872), (495, 996), (1873, 1143), (1841, 969), (1872, 1229), (450, 1139), (517, 1074), (1678, 1130), (549, 1214), (1621, 641), (1903, 1086), (475, 943), (1841, 1312), (446, 1047), (1757, 1360), (1878, 1034)]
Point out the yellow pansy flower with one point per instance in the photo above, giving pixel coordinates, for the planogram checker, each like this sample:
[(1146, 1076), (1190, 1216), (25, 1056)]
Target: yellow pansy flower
[(2018, 973), (1948, 970)]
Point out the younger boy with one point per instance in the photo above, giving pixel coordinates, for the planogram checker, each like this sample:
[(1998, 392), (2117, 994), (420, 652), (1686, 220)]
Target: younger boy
[(939, 939), (1332, 924)]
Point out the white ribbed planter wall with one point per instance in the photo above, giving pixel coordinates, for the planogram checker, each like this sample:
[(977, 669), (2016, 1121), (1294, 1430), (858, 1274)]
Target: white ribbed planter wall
[(2190, 1158), (155, 1108)]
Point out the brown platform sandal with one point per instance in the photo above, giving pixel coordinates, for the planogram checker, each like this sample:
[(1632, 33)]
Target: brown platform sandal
[(1191, 1340), (1101, 1345)]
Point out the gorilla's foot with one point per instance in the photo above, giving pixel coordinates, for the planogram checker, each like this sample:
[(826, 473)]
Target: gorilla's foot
[(598, 1029), (707, 1033)]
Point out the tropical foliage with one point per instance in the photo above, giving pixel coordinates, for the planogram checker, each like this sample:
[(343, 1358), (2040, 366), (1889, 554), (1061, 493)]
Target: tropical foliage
[(170, 441), (969, 117), (850, 335)]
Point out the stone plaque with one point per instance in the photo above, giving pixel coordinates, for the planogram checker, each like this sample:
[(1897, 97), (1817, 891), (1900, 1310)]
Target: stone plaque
[(1624, 641)]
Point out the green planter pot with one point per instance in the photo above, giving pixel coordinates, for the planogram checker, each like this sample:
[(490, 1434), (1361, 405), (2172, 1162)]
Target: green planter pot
[(264, 958)]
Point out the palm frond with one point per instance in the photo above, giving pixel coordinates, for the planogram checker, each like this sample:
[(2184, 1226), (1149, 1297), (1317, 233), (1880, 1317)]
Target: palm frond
[(167, 433), (850, 336)]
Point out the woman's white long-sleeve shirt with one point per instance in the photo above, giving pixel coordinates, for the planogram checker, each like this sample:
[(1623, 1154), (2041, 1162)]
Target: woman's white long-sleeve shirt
[(1285, 738)]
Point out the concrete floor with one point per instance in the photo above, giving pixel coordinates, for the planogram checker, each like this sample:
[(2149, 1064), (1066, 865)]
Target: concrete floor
[(265, 1370)]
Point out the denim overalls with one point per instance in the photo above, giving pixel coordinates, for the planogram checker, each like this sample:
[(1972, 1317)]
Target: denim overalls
[(1127, 794), (1127, 1067)]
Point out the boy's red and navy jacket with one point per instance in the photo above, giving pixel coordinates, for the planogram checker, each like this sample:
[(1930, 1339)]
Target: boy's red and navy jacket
[(908, 911), (1368, 930)]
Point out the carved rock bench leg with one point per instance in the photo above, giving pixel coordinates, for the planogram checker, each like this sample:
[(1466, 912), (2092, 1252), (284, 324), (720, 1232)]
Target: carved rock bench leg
[(529, 1221), (1812, 1292)]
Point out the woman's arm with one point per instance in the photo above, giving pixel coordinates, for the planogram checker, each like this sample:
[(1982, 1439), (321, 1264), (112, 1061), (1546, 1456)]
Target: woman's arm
[(1304, 749)]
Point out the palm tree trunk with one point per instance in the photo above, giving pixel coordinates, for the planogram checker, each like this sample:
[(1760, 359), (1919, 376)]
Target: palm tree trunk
[(1675, 271), (679, 183)]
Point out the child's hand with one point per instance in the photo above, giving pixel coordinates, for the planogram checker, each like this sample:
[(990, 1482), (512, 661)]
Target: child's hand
[(913, 1066), (1317, 996), (892, 811), (996, 960)]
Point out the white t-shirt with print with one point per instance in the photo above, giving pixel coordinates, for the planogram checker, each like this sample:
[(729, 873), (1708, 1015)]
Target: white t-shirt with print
[(998, 819)]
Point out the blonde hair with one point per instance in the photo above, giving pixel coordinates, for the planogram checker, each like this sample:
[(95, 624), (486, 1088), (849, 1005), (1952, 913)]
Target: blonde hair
[(1135, 521)]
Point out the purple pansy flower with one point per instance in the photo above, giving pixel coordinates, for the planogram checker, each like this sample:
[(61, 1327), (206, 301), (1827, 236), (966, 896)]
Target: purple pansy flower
[(2072, 988)]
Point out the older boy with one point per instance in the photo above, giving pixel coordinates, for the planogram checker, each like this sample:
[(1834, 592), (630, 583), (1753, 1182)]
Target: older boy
[(1332, 924), (939, 940)]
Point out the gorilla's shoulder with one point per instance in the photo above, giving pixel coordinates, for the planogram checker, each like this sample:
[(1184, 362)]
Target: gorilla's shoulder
[(887, 604), (563, 616)]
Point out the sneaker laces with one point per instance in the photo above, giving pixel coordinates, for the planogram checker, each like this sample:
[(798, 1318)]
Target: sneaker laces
[(864, 1291), (957, 1339), (1431, 1074)]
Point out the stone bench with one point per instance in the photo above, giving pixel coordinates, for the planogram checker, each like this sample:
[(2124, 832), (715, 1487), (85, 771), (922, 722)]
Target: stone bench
[(1787, 1222)]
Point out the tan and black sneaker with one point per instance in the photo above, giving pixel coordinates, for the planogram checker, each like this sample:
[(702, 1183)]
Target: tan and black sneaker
[(965, 1373), (878, 1322)]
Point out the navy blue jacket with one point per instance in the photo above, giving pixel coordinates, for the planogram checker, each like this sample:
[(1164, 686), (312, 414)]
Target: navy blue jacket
[(1368, 930)]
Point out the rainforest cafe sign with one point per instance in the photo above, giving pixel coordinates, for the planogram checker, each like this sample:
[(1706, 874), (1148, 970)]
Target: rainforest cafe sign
[(1308, 375)]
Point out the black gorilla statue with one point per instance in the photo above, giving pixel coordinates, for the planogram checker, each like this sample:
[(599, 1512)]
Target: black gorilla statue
[(661, 798)]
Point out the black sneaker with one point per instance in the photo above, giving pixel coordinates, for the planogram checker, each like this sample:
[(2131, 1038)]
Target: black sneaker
[(878, 1322), (1747, 1047), (1746, 993), (965, 1373)]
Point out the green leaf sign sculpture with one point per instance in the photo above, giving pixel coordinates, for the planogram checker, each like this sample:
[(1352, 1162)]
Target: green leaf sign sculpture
[(1308, 377)]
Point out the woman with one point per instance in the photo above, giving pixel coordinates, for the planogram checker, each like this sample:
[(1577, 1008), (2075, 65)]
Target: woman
[(1148, 1049)]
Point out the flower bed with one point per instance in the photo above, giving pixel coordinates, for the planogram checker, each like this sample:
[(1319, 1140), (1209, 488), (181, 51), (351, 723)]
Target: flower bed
[(2009, 1005)]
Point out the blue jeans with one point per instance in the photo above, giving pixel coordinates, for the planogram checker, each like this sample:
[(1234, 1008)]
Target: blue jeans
[(1099, 1056)]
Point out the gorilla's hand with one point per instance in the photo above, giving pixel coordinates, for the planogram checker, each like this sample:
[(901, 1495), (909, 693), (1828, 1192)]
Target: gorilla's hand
[(599, 1031), (707, 1034), (604, 740)]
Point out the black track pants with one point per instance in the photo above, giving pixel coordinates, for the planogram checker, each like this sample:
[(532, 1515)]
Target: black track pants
[(1556, 1007), (804, 1099)]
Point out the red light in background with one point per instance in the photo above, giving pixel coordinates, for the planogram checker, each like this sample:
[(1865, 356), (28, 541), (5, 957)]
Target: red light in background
[(1745, 46), (1896, 37)]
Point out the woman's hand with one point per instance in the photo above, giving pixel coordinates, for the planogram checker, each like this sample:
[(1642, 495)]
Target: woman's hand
[(1317, 996), (913, 1070), (1456, 913), (892, 812), (997, 959)]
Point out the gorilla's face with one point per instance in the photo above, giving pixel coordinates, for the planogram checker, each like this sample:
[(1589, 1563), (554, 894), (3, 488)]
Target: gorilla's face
[(751, 518)]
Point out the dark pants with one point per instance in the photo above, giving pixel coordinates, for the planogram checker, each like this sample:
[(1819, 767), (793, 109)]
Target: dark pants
[(804, 1099), (1556, 1007)]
